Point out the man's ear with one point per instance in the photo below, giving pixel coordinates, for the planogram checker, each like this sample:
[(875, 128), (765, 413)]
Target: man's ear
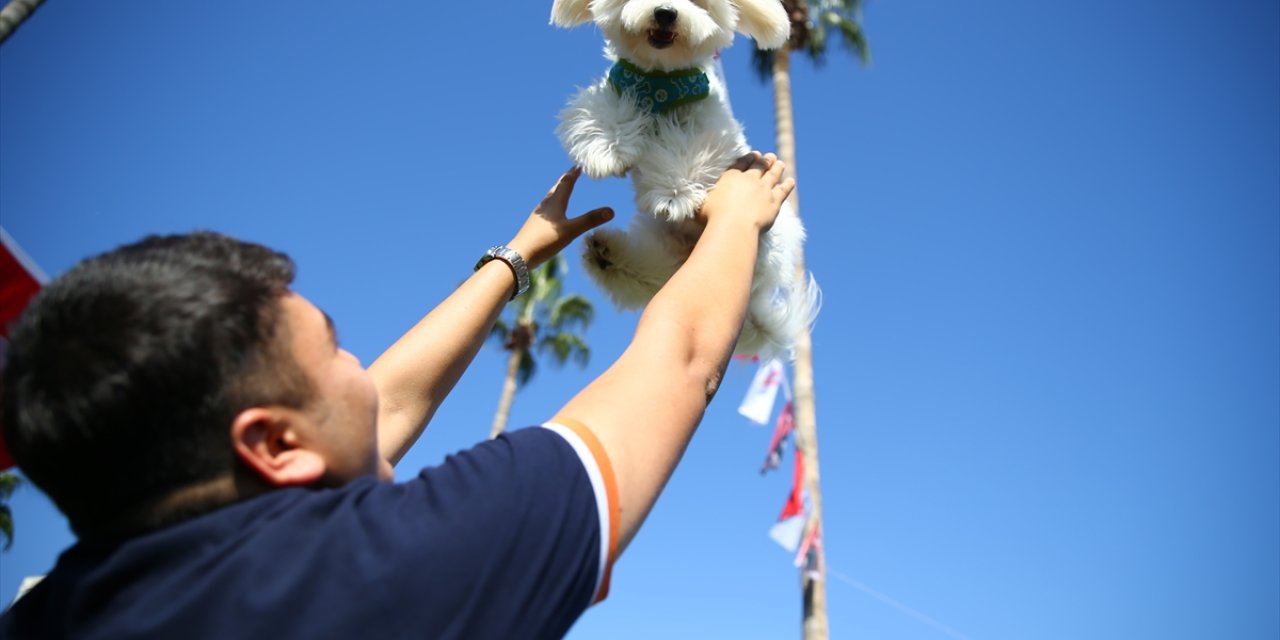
[(570, 13), (765, 21), (267, 440)]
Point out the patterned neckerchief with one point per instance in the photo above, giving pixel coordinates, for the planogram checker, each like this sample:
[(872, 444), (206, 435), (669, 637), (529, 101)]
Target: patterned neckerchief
[(656, 91)]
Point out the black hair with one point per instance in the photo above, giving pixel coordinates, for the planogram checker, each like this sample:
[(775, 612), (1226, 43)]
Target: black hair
[(124, 374)]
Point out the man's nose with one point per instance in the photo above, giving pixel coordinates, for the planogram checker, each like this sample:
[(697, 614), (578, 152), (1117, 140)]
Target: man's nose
[(665, 16)]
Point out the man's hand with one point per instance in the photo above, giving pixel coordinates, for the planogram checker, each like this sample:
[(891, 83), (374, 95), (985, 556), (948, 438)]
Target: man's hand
[(548, 229), (752, 189)]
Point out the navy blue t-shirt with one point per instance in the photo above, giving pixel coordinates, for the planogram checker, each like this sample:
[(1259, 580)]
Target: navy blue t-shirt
[(505, 540)]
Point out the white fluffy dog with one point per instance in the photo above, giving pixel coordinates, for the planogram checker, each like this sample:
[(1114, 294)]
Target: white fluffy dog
[(661, 114)]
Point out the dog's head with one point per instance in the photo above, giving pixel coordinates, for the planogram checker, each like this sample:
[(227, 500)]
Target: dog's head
[(663, 35)]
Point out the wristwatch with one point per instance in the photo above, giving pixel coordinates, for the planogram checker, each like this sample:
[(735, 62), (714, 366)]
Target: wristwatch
[(518, 267)]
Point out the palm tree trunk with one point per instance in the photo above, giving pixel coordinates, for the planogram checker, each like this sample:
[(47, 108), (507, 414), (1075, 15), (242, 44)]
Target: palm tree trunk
[(12, 15), (813, 586), (508, 394)]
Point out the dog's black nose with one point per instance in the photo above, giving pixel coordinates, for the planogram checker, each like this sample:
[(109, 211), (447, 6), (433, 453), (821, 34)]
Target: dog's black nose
[(665, 16)]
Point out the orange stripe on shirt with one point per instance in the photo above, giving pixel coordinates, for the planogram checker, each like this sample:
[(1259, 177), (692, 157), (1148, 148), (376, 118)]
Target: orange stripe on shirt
[(611, 491)]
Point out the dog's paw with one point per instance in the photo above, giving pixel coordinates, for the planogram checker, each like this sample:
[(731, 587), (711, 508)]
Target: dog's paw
[(596, 252), (601, 161), (675, 205), (611, 261)]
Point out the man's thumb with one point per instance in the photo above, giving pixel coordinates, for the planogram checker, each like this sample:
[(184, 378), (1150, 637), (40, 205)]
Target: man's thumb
[(591, 220)]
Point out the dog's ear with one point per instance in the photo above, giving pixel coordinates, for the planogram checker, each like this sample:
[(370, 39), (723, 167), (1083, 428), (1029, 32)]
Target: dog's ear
[(570, 13), (764, 20)]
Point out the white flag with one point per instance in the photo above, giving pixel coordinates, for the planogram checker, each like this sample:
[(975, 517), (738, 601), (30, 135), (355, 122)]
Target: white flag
[(789, 532), (757, 406)]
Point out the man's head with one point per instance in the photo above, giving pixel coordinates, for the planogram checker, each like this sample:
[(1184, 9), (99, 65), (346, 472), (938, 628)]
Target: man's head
[(170, 376)]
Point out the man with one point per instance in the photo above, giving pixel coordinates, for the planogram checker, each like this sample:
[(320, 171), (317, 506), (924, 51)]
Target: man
[(255, 501)]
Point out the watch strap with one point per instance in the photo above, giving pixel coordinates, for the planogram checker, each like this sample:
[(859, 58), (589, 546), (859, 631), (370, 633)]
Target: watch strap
[(514, 260)]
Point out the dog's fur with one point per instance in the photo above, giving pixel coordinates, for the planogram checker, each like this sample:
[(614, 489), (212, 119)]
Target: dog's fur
[(674, 157)]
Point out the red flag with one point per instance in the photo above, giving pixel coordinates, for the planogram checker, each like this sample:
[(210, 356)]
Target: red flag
[(790, 526), (786, 423), (20, 279)]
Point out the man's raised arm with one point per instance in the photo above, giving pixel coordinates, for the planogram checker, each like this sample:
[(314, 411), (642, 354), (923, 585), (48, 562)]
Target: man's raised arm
[(646, 406), (416, 373)]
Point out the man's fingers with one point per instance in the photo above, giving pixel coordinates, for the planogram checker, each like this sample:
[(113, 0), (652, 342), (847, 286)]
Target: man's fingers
[(775, 170), (785, 188), (762, 163), (745, 162), (563, 188), (589, 220)]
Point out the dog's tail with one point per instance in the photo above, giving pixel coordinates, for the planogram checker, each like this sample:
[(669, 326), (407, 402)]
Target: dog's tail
[(784, 301), (775, 319)]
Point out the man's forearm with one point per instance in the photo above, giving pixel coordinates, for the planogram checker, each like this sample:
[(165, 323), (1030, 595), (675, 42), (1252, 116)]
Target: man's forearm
[(645, 408), (696, 318), (421, 368)]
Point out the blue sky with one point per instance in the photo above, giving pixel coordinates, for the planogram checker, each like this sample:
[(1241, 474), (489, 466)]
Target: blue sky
[(1048, 364)]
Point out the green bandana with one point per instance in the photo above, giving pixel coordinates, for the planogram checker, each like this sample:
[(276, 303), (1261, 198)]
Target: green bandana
[(656, 91)]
